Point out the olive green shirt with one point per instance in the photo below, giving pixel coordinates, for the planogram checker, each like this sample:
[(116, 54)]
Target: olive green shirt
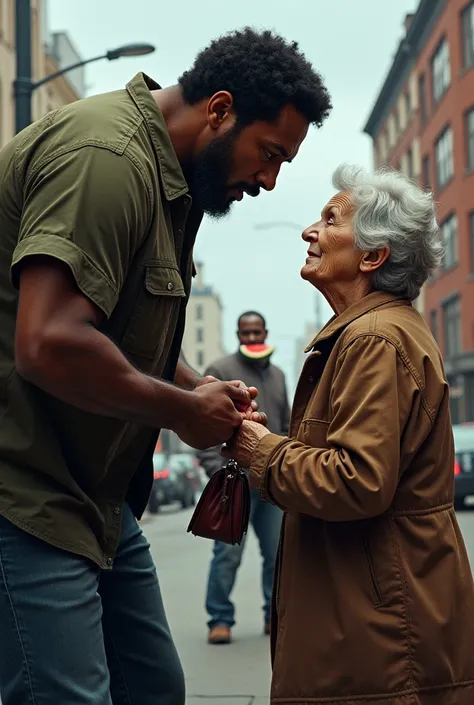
[(97, 185)]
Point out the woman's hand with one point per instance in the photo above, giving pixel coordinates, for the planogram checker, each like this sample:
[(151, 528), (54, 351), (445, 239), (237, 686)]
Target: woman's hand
[(243, 443)]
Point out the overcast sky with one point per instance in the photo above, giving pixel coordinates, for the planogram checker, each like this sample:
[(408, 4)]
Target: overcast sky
[(351, 43)]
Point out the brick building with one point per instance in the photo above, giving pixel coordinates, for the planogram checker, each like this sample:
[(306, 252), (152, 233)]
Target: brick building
[(423, 123)]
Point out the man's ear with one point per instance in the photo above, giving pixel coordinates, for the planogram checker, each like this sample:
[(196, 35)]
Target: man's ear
[(219, 109), (374, 259)]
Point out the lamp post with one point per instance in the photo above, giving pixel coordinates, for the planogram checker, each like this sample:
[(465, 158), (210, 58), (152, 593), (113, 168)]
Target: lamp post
[(24, 86), (272, 225)]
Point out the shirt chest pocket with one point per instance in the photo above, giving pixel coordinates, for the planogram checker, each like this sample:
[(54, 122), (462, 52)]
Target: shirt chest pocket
[(154, 316)]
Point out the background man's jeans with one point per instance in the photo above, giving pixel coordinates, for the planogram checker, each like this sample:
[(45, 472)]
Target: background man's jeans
[(72, 634), (266, 521)]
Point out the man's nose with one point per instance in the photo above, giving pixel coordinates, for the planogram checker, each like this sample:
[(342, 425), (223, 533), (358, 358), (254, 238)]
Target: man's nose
[(268, 178)]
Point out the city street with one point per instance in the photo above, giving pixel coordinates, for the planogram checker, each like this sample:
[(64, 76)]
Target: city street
[(238, 674)]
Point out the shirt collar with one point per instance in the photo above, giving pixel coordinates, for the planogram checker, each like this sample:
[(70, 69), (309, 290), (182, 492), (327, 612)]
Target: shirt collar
[(368, 303), (174, 183)]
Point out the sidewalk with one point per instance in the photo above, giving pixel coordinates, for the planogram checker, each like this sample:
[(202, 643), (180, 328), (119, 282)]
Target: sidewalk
[(237, 674)]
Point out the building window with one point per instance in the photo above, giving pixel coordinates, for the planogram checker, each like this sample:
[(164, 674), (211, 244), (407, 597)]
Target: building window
[(452, 327), (426, 173), (199, 335), (440, 70), (471, 240), (407, 105), (410, 170), (467, 20), (423, 98), (199, 312), (444, 158), (470, 139), (449, 231), (434, 324), (200, 358)]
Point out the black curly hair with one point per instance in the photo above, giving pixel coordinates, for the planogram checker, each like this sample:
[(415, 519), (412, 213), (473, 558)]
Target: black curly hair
[(263, 72)]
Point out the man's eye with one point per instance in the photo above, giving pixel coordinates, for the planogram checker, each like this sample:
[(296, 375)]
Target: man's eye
[(269, 155)]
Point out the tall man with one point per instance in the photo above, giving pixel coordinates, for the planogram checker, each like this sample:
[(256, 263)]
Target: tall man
[(100, 203), (255, 370)]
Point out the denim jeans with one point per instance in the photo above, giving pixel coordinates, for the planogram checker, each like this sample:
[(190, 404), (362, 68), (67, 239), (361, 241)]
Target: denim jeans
[(72, 634), (266, 521)]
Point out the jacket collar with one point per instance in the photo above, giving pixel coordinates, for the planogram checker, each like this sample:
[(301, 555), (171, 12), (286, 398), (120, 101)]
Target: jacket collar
[(174, 183), (368, 303)]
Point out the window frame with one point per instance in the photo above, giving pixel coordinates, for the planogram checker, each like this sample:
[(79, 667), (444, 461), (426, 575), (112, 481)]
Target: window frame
[(448, 349), (450, 218), (443, 44), (446, 130), (469, 136), (467, 36)]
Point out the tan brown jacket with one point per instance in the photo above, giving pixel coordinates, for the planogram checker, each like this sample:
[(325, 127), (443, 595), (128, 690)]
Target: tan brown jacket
[(374, 597)]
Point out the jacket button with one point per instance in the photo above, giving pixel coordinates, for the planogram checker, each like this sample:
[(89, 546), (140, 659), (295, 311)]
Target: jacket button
[(311, 379), (110, 562), (116, 511), (169, 286)]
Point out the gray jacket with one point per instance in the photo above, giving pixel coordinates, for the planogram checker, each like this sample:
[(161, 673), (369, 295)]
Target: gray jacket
[(272, 398)]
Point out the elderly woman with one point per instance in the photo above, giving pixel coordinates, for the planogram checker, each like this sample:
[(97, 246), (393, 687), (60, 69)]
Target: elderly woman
[(373, 598)]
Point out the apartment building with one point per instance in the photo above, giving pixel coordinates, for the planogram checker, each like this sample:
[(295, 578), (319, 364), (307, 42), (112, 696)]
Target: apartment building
[(423, 123), (202, 342)]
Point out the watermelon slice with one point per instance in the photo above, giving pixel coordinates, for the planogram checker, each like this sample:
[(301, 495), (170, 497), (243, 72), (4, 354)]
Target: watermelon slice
[(257, 351)]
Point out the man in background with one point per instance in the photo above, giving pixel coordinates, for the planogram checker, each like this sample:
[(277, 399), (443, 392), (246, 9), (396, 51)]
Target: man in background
[(251, 363)]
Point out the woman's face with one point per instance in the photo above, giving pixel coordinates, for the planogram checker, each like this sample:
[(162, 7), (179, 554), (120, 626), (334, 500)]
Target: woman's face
[(331, 254)]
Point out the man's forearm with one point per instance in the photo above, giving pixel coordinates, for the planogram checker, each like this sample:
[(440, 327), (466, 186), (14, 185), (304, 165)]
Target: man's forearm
[(185, 377), (88, 371)]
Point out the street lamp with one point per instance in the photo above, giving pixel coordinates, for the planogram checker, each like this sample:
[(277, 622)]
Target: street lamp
[(294, 226), (279, 224), (24, 86)]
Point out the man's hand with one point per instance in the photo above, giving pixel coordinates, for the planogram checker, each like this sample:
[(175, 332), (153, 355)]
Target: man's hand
[(248, 412), (243, 443), (209, 416)]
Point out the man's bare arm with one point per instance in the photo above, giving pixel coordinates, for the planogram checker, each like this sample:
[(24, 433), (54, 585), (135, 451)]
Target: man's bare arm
[(185, 377), (59, 349)]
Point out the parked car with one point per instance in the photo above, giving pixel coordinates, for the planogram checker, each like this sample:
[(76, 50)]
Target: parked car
[(176, 478), (186, 477), (464, 464), (162, 490)]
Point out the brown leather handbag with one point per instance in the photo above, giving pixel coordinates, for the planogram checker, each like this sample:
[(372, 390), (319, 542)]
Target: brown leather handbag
[(223, 510)]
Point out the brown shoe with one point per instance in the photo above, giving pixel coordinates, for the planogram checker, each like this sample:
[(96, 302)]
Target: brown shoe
[(220, 635), (267, 629)]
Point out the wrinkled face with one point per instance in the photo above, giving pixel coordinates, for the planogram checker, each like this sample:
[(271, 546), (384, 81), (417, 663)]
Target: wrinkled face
[(242, 160), (331, 254), (251, 330)]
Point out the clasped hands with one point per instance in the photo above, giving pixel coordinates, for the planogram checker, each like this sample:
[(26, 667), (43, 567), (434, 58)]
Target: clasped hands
[(245, 439)]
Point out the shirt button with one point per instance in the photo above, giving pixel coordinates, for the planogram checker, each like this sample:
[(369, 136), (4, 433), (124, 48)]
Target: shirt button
[(116, 511), (169, 286), (180, 231), (110, 562)]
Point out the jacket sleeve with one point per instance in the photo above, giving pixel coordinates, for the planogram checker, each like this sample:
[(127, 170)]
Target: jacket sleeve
[(285, 412), (355, 475), (211, 459)]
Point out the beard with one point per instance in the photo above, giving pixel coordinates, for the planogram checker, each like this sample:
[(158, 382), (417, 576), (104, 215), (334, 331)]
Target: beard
[(209, 176)]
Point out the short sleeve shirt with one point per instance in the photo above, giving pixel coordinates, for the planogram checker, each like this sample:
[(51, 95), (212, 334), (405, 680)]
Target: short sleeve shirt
[(96, 185)]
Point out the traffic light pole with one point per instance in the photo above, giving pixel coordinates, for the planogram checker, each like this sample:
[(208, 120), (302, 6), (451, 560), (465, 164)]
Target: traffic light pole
[(23, 83)]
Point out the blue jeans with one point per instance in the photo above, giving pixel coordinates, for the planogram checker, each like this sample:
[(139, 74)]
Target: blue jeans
[(266, 521), (72, 634)]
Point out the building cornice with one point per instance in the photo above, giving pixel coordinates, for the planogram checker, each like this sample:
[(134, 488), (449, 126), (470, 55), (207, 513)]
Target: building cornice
[(410, 47)]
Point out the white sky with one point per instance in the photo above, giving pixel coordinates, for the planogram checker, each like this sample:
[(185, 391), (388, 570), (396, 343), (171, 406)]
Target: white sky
[(351, 43)]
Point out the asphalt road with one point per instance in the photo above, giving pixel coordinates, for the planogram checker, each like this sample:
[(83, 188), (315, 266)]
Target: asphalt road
[(238, 674)]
